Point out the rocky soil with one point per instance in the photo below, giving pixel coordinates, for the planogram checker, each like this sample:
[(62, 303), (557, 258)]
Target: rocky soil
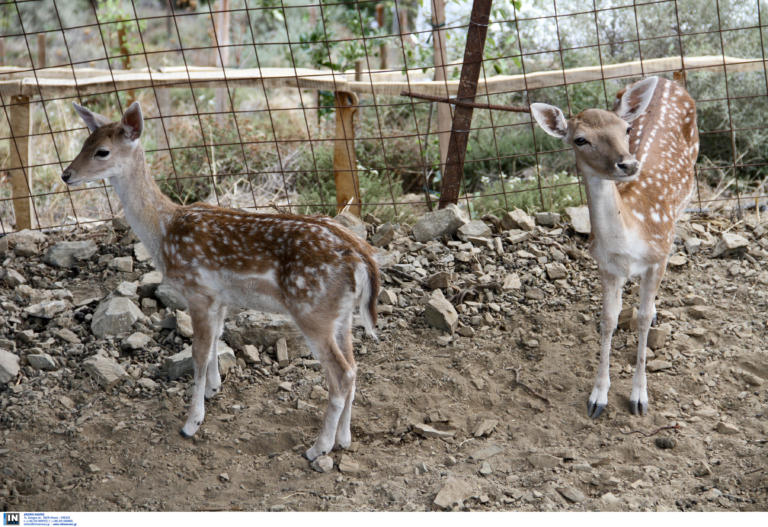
[(475, 397)]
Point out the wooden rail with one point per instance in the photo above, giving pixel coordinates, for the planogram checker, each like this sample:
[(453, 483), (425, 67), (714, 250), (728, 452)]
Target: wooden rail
[(20, 86)]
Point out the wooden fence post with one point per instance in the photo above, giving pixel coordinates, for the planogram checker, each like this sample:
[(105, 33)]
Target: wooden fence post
[(382, 47), (440, 58), (21, 182), (344, 158), (41, 50)]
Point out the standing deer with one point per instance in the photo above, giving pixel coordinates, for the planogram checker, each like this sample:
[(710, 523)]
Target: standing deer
[(638, 167), (307, 267)]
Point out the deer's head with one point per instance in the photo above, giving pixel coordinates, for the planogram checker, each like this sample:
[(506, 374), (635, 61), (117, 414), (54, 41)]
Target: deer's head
[(108, 149), (600, 138)]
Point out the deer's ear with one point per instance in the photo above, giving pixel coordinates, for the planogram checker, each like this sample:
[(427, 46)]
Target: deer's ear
[(550, 118), (92, 120), (636, 98), (133, 122)]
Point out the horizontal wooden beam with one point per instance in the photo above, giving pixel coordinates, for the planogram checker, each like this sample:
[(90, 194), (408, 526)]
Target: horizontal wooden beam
[(61, 82)]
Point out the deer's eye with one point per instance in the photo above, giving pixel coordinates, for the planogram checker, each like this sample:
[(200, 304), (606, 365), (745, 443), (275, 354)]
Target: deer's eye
[(580, 141), (103, 153), (629, 129)]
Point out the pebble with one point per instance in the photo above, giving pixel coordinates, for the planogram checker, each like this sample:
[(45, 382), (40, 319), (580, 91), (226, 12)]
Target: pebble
[(730, 244), (440, 313), (439, 280), (384, 235), (485, 427), (485, 469), (665, 442), (147, 383), (9, 366), (251, 354), (658, 365), (69, 254), (657, 336), (323, 464), (511, 282), (170, 298), (281, 352), (543, 460), (13, 278), (726, 428), (517, 219), (181, 363), (426, 430), (579, 217), (438, 223), (547, 219), (140, 252), (67, 335), (628, 318), (285, 386), (124, 264), (453, 492), (48, 310), (348, 465), (184, 324), (678, 260), (104, 370), (352, 223), (473, 229), (114, 316), (42, 361), (388, 297), (127, 289), (135, 341), (556, 271), (572, 494)]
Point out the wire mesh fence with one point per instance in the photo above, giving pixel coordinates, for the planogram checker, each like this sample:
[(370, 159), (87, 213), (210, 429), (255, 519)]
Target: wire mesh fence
[(297, 106)]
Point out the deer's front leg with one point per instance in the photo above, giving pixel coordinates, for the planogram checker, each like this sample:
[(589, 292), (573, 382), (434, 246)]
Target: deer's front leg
[(598, 399), (649, 285), (204, 326)]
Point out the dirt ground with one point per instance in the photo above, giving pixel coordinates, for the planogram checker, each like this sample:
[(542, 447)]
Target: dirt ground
[(506, 393)]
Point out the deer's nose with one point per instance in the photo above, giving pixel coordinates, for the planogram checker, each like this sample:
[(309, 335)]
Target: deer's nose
[(66, 175), (628, 166)]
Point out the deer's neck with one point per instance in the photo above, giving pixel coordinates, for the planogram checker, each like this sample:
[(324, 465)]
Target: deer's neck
[(611, 223), (147, 209)]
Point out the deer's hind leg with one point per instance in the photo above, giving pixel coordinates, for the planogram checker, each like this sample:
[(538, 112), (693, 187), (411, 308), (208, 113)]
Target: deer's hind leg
[(340, 376), (212, 376), (344, 341)]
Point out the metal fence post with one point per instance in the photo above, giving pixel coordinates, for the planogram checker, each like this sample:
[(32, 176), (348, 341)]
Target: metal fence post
[(462, 116)]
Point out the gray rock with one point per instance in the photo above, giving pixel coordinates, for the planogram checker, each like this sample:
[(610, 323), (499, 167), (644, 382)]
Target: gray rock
[(67, 335), (263, 330), (135, 341), (485, 427), (184, 324), (9, 366), (47, 310), (323, 464), (352, 223), (128, 289), (543, 460), (658, 365), (120, 224), (42, 361), (657, 336), (141, 253), (726, 428), (251, 354), (384, 235), (485, 452), (13, 278), (572, 494), (426, 430), (547, 219), (453, 492), (281, 352), (181, 363), (474, 229), (27, 237), (170, 298), (69, 254), (730, 244), (511, 281), (147, 383), (517, 219), (114, 316), (149, 283), (692, 245), (440, 313), (678, 260), (485, 469), (441, 222), (104, 370), (579, 217), (3, 245), (556, 271), (628, 318), (387, 297), (124, 264), (348, 465), (439, 280)]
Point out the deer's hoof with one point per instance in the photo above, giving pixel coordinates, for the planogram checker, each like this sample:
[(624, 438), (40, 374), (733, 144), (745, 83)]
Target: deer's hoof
[(594, 409)]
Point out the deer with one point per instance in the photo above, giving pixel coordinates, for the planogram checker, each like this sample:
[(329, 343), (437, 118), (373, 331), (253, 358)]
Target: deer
[(310, 268), (637, 163)]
